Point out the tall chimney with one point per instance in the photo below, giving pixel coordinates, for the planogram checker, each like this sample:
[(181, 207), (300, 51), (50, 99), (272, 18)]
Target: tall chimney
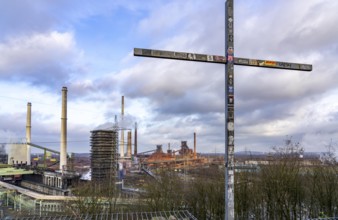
[(195, 155), (129, 144), (135, 140), (122, 131), (63, 150), (28, 131)]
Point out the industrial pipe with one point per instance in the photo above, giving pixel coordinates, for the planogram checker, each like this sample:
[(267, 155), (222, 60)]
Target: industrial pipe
[(129, 144), (135, 140), (28, 131), (63, 147), (195, 154), (122, 130)]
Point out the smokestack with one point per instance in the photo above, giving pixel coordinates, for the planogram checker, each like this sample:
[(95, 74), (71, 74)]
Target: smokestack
[(129, 144), (115, 120), (195, 155), (169, 151), (28, 131), (135, 140), (63, 148), (122, 131)]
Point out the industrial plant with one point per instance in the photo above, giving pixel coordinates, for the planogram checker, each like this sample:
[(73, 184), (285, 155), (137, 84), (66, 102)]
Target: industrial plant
[(44, 183), (119, 174)]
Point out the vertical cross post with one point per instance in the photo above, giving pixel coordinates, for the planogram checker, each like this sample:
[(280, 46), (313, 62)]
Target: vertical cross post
[(229, 112)]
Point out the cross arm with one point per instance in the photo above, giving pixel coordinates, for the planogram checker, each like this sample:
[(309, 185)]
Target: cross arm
[(220, 59), (272, 64), (179, 55)]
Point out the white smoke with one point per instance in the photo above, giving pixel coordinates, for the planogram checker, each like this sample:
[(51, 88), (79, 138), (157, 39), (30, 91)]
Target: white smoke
[(105, 126)]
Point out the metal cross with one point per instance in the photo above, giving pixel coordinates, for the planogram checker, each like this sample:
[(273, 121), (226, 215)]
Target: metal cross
[(230, 61)]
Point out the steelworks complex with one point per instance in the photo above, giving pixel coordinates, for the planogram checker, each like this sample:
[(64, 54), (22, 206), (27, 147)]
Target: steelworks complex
[(45, 182)]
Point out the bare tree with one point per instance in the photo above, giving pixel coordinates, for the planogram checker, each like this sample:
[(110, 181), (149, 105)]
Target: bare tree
[(164, 192), (205, 195), (93, 198), (322, 185)]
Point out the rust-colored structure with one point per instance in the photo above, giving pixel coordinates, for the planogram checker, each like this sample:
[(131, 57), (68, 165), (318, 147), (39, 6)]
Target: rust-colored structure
[(159, 155), (185, 150), (182, 157)]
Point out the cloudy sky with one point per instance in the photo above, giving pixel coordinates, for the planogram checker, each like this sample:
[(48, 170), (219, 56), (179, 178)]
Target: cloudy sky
[(87, 47)]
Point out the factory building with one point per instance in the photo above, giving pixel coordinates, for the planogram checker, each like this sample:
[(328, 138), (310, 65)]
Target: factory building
[(185, 150), (104, 155), (17, 154)]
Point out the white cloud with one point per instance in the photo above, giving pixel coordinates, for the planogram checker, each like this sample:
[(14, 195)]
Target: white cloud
[(171, 99), (39, 58)]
